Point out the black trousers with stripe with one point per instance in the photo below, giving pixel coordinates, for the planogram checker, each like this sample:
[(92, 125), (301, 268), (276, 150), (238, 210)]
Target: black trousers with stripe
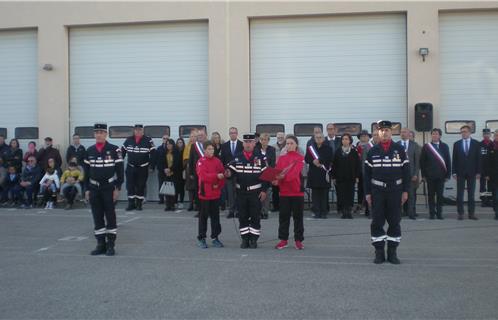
[(249, 213), (103, 211), (136, 180), (386, 206)]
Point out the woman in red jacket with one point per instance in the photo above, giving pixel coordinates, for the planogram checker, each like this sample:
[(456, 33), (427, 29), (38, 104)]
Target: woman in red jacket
[(291, 194), (210, 171)]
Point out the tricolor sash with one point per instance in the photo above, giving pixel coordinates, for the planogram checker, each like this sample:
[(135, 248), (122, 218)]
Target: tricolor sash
[(438, 157), (199, 149), (314, 154)]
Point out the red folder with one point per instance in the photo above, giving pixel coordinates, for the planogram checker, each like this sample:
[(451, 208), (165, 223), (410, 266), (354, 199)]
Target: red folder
[(270, 174)]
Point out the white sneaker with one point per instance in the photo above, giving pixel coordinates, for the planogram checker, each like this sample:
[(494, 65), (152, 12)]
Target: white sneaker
[(51, 205), (47, 206)]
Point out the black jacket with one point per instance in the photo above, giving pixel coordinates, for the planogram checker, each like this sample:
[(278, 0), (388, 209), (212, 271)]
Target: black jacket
[(14, 158), (159, 157), (46, 153), (346, 167), (491, 164), (226, 151), (317, 175), (177, 166), (430, 165), (32, 175), (78, 153), (270, 155), (467, 164)]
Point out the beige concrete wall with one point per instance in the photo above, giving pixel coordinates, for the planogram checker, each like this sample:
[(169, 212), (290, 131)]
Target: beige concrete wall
[(229, 25)]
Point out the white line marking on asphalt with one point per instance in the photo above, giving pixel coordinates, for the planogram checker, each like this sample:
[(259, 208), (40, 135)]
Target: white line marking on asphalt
[(73, 238), (128, 221), (43, 249)]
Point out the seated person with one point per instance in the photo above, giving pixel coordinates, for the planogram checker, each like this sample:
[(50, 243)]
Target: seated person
[(49, 185), (30, 176), (10, 192), (3, 176), (71, 182)]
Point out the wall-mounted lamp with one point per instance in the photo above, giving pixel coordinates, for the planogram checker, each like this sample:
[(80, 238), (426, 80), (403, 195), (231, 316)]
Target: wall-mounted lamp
[(423, 52), (48, 67)]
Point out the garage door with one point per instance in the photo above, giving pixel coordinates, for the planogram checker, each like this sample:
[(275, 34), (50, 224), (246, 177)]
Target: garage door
[(19, 84), (150, 74), (155, 74), (346, 69), (469, 71)]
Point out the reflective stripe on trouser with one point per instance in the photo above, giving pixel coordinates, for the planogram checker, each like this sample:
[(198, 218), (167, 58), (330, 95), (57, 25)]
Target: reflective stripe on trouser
[(386, 206), (136, 180), (249, 213), (103, 211)]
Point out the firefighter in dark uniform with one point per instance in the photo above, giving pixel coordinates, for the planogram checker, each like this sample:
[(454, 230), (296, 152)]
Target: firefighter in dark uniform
[(103, 179), (246, 167), (387, 180), (491, 171), (485, 192), (140, 150)]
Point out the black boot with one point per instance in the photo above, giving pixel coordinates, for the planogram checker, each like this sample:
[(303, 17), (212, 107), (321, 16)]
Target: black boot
[(343, 214), (253, 242), (392, 257), (111, 238), (380, 256), (101, 246), (245, 242), (139, 204), (349, 213), (131, 204)]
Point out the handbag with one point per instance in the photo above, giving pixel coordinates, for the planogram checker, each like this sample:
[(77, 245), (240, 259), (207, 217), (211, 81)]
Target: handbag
[(167, 188)]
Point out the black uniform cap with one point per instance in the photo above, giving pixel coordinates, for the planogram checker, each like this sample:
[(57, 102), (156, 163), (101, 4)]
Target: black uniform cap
[(139, 126), (100, 126), (364, 133), (384, 124), (249, 136), (486, 130)]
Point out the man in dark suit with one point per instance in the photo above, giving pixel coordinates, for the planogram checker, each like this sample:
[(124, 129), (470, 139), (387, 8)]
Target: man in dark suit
[(435, 164), (228, 151), (331, 139), (466, 169), (412, 150)]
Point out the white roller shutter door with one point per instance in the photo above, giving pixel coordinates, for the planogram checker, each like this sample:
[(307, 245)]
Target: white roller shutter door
[(469, 71), (154, 74), (18, 80), (328, 69), (151, 74)]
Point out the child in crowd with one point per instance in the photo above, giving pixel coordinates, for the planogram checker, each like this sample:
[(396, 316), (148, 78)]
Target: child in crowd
[(71, 183), (50, 183), (10, 192)]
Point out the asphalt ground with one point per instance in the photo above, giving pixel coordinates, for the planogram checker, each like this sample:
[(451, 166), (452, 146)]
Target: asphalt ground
[(449, 269)]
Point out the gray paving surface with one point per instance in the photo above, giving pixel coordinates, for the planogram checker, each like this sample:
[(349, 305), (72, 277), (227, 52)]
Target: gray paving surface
[(449, 270)]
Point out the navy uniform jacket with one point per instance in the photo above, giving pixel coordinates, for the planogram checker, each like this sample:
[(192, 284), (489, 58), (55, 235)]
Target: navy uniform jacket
[(491, 164), (388, 167), (431, 167), (247, 172), (140, 154), (104, 168)]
